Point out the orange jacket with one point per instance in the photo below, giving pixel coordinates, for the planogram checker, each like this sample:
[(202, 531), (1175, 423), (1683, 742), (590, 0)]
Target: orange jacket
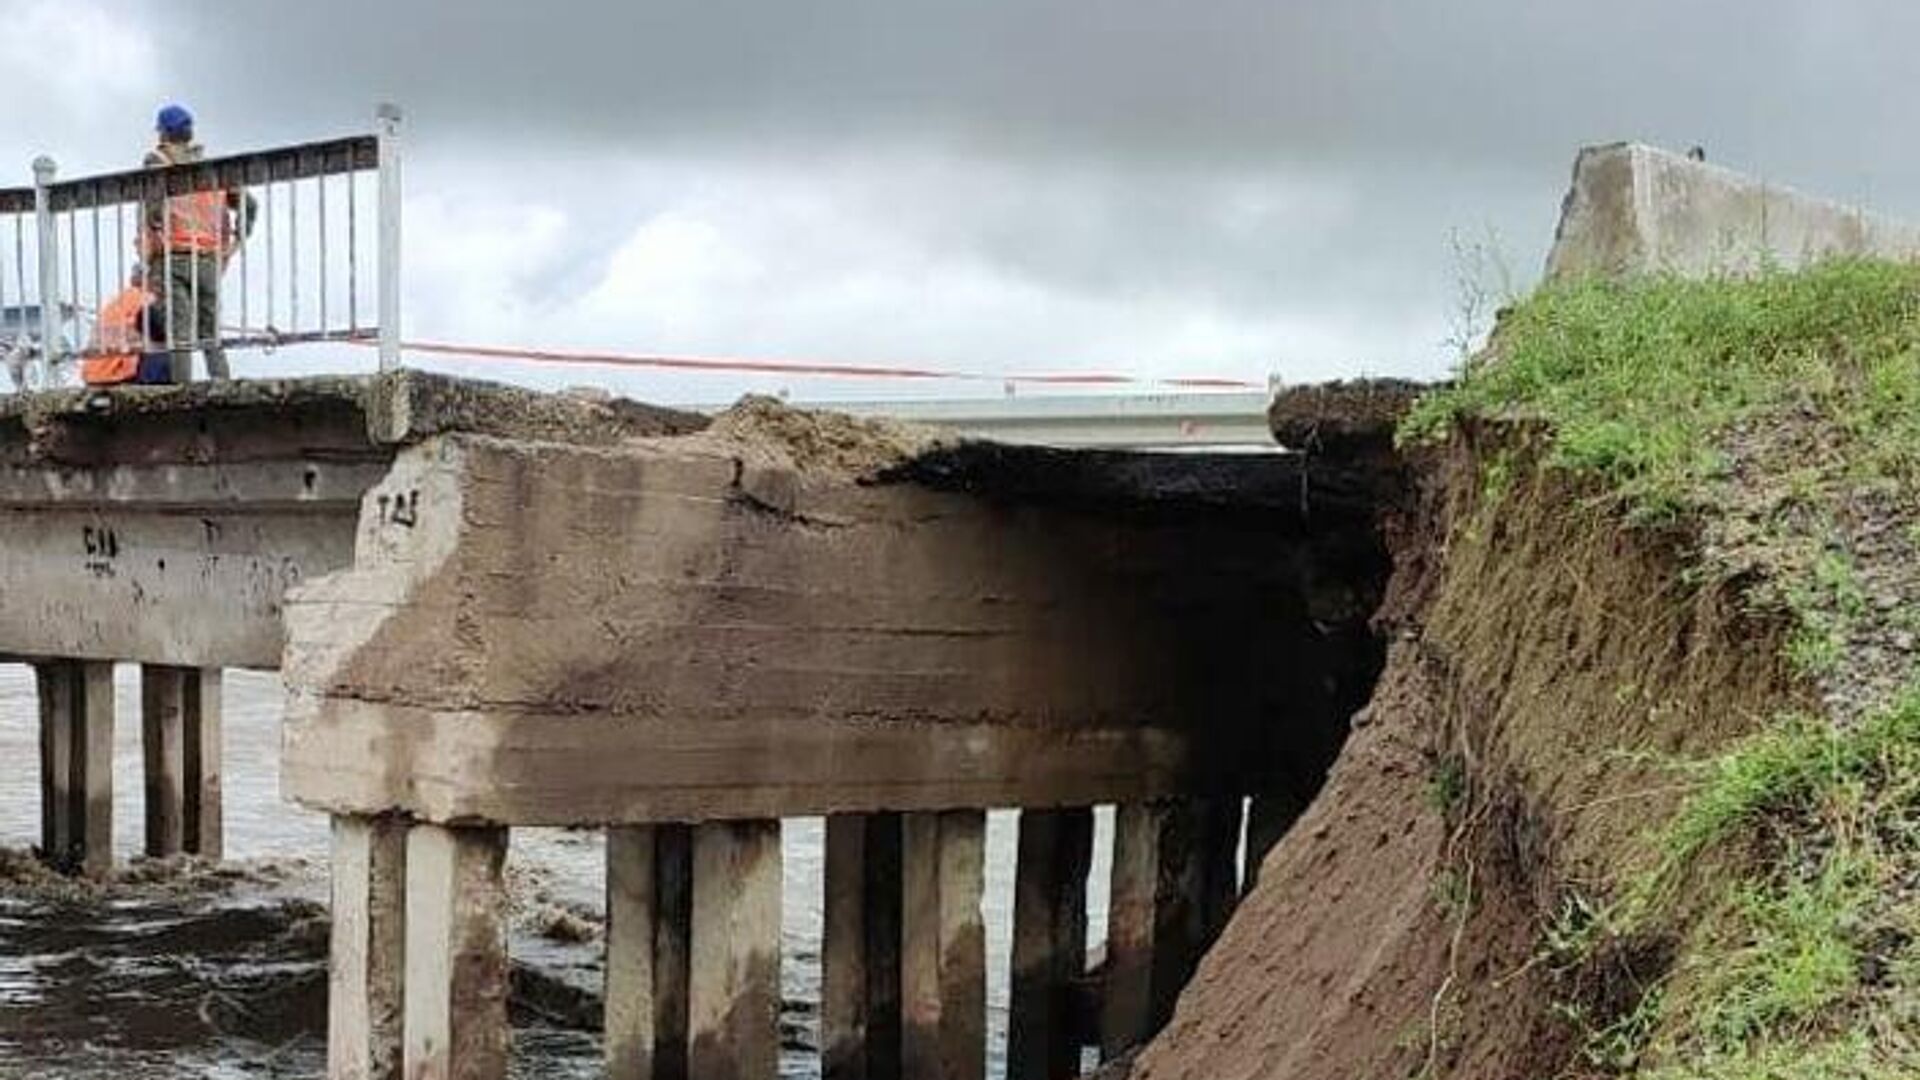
[(195, 224), (119, 330)]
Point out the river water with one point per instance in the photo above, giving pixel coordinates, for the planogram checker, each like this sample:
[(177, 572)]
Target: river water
[(214, 974)]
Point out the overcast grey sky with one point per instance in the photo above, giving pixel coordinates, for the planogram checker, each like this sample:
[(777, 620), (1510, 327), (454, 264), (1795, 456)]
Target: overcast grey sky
[(1211, 188)]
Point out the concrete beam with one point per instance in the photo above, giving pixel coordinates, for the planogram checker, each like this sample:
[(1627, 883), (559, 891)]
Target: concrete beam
[(161, 583), (162, 526), (759, 641), (1634, 208)]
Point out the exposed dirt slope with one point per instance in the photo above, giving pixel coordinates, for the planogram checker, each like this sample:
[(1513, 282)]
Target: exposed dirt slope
[(1544, 654)]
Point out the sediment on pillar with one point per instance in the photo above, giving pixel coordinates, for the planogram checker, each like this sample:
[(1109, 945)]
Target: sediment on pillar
[(364, 964), (455, 985), (1049, 943), (733, 987), (76, 763), (943, 946), (163, 707), (202, 818), (860, 949)]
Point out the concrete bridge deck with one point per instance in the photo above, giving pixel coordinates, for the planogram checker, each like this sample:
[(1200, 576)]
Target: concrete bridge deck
[(495, 608)]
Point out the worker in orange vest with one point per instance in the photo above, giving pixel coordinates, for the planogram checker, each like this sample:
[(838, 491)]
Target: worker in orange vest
[(186, 241), (119, 350)]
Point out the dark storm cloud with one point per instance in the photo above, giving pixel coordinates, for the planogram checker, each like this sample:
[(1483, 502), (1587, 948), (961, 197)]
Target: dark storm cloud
[(1233, 160), (1214, 82)]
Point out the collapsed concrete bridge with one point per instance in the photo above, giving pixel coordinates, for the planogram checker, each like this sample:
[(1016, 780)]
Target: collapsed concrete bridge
[(497, 609)]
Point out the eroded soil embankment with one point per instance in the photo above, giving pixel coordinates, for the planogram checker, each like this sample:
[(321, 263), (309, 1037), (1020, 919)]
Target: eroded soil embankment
[(1544, 661)]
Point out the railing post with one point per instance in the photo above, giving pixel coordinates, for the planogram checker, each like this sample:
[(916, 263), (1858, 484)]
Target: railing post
[(43, 171), (389, 217)]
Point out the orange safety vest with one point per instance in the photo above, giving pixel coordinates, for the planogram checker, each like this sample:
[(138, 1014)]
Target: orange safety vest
[(118, 330), (196, 224)]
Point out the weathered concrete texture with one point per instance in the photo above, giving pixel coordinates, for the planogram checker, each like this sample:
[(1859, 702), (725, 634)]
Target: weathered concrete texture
[(649, 951), (544, 634), (631, 905), (162, 525), (203, 818), (733, 989), (860, 949), (1127, 1004), (943, 963), (163, 729), (1173, 887), (159, 583), (365, 969), (1635, 208), (76, 763), (455, 986), (1049, 944)]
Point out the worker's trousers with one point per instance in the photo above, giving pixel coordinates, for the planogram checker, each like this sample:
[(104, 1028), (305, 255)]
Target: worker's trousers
[(190, 316)]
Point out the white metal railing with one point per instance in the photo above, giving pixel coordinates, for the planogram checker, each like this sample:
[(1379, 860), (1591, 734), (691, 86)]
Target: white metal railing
[(1180, 421), (308, 251)]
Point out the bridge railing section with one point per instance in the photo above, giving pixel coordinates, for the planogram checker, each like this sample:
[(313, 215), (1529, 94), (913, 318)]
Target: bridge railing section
[(309, 251)]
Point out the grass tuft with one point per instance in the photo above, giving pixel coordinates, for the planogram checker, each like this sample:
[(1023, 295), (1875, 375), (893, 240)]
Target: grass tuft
[(1640, 381)]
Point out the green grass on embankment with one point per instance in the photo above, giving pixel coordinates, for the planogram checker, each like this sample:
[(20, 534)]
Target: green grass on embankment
[(1777, 418)]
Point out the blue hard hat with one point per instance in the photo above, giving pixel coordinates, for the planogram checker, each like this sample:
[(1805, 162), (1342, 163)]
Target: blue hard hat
[(174, 120)]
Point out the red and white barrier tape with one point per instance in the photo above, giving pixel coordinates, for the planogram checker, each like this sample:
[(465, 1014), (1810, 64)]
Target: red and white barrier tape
[(803, 368)]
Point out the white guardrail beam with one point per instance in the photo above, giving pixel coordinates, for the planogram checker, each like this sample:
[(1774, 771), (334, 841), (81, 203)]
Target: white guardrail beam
[(1185, 421)]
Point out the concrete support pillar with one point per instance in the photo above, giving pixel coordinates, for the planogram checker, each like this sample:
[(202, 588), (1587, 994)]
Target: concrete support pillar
[(943, 984), (203, 816), (632, 906), (1126, 1007), (1049, 943), (456, 954), (1199, 885), (733, 989), (180, 727), (163, 708), (1174, 886), (365, 965), (860, 949), (649, 913), (58, 724), (76, 763)]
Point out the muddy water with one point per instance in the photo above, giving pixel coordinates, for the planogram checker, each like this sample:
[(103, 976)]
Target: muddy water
[(223, 974)]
